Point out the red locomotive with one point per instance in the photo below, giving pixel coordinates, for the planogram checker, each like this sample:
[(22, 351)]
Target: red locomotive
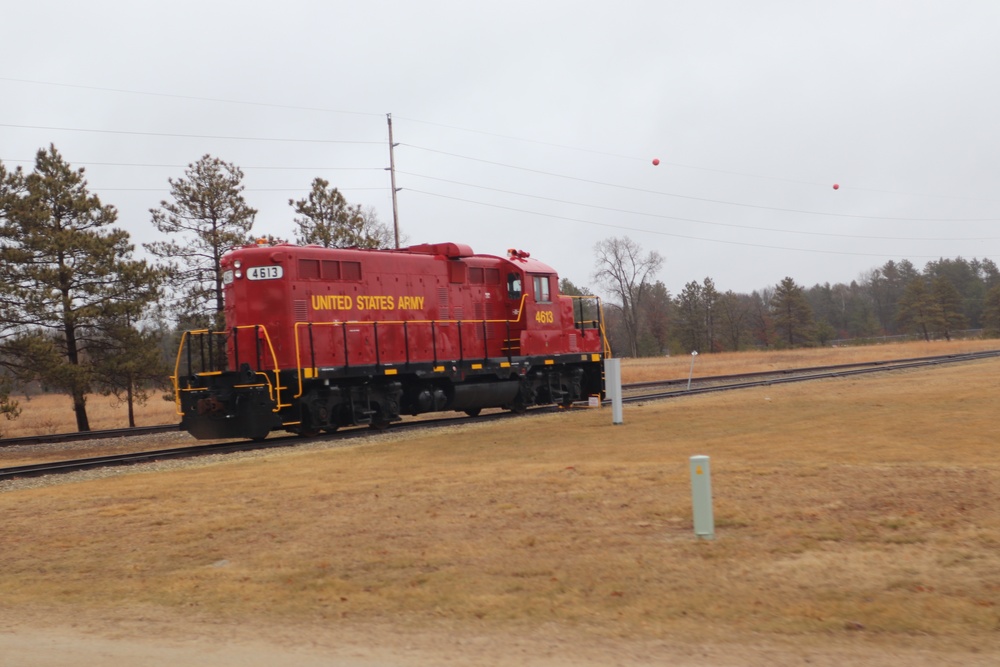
[(318, 338)]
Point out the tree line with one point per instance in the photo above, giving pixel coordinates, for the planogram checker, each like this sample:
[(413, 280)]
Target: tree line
[(895, 299)]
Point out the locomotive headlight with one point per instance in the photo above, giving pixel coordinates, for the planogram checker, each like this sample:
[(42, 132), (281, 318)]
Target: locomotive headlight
[(237, 264), (239, 274)]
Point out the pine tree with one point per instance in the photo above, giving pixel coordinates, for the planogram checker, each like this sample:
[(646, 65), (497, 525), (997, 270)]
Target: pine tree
[(886, 286), (128, 362), (207, 217), (949, 301), (11, 187), (709, 302), (325, 218), (689, 317), (734, 318), (66, 270), (761, 319), (991, 312), (657, 312), (918, 310), (792, 315)]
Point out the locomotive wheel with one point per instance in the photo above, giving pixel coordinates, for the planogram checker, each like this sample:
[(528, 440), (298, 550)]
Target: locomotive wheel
[(474, 412), (306, 429)]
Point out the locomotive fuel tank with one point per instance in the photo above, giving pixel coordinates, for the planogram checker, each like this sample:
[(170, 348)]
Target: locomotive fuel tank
[(484, 395)]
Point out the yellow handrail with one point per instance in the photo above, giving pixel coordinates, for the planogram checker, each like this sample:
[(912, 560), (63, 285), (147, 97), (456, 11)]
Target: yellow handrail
[(273, 389), (601, 320), (177, 368), (345, 323)]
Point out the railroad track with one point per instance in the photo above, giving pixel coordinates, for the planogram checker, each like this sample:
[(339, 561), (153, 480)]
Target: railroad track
[(229, 447), (765, 378), (88, 435), (702, 385)]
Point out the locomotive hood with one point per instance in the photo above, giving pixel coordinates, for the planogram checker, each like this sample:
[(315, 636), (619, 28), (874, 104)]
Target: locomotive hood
[(447, 250)]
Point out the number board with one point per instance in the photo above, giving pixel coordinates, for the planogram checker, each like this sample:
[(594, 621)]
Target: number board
[(264, 272)]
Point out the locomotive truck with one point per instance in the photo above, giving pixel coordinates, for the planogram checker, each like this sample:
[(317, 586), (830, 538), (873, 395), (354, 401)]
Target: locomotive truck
[(320, 338)]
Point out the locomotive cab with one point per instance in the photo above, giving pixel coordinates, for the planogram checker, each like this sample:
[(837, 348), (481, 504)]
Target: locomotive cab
[(543, 316)]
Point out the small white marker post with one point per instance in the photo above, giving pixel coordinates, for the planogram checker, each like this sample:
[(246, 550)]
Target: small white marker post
[(613, 387), (701, 498), (691, 372)]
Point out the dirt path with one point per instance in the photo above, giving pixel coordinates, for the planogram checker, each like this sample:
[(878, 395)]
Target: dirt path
[(169, 643)]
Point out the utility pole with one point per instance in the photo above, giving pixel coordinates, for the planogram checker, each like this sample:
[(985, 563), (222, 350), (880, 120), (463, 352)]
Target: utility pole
[(392, 179)]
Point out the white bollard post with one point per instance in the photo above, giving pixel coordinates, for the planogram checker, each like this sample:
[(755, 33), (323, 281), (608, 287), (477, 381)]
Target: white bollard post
[(691, 372), (613, 388), (701, 498)]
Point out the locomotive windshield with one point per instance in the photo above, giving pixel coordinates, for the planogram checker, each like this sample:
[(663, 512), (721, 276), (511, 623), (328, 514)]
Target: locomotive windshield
[(541, 286)]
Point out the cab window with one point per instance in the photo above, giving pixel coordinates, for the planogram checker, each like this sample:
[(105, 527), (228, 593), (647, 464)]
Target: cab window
[(514, 286)]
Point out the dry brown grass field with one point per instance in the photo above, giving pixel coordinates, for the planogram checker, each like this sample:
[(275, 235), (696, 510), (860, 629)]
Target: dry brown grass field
[(49, 413), (860, 516)]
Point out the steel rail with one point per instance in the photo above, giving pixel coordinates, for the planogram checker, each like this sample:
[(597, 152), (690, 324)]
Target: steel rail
[(768, 378), (52, 467), (88, 435), (230, 447), (814, 369)]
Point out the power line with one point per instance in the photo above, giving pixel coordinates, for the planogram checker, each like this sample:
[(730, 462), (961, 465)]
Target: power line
[(185, 166), (683, 165), (190, 97), (189, 136), (471, 130), (412, 120), (670, 234), (696, 220), (607, 153), (100, 189), (693, 198), (523, 140)]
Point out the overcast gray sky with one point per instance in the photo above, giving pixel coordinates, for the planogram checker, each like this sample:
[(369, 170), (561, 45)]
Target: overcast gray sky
[(533, 124)]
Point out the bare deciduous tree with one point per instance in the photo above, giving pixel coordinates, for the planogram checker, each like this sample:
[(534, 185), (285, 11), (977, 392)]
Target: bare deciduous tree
[(624, 271)]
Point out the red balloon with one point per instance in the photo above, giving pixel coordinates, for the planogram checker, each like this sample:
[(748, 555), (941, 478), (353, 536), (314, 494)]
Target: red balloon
[(836, 187), (656, 161)]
